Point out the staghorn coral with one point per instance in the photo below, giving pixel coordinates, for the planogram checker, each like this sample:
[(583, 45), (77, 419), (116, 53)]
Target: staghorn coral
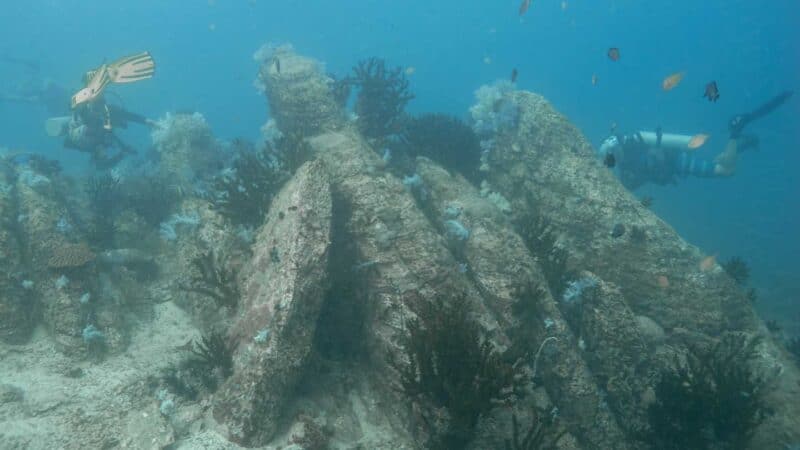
[(214, 280), (713, 396), (244, 191), (537, 435), (444, 139), (67, 255), (104, 202), (382, 96), (450, 366), (738, 269)]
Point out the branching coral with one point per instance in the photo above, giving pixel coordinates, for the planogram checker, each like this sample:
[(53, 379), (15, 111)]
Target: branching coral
[(151, 198), (712, 398), (104, 201), (214, 280), (244, 192), (382, 96), (213, 352), (451, 367), (537, 435), (541, 242), (738, 269), (444, 139)]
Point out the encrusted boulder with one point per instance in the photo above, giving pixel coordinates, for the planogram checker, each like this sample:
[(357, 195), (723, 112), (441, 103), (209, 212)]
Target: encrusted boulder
[(283, 289)]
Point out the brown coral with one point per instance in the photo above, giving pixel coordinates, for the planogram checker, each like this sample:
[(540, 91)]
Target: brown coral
[(66, 255)]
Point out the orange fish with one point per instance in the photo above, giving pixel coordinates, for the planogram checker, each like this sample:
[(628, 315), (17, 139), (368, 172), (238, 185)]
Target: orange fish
[(594, 79), (523, 7), (663, 281), (697, 141), (672, 81), (708, 263)]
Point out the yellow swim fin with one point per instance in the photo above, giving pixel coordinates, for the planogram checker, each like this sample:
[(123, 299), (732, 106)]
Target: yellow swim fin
[(95, 86), (132, 68)]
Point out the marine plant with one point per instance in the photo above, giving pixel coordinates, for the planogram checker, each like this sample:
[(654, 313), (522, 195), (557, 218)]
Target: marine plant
[(47, 167), (104, 202), (214, 280), (541, 242), (451, 367), (382, 96), (713, 397), (793, 345), (738, 269), (212, 353), (444, 139), (537, 435), (210, 361), (245, 190), (151, 197), (524, 331)]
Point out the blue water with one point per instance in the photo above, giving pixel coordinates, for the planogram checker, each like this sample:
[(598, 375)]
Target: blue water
[(204, 54)]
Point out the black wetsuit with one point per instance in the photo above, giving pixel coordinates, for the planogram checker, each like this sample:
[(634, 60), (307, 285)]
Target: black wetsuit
[(91, 130)]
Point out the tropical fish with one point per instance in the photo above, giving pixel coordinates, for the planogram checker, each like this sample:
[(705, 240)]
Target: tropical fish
[(487, 60), (594, 79), (564, 5), (711, 93), (613, 54), (410, 70), (672, 81), (708, 263), (514, 74), (523, 7), (663, 281), (697, 141), (277, 64)]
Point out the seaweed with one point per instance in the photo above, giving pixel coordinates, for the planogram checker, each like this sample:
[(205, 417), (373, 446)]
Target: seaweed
[(210, 361), (104, 200), (245, 191), (212, 353), (340, 90), (291, 150), (382, 96), (713, 397), (214, 280), (44, 166), (541, 242), (451, 367), (793, 345), (444, 139), (151, 198), (524, 331), (536, 436), (738, 269)]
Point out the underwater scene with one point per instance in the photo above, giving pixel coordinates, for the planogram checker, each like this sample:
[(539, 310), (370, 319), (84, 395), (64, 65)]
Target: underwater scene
[(373, 224)]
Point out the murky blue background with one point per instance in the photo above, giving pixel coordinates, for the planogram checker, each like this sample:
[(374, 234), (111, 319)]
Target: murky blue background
[(204, 54)]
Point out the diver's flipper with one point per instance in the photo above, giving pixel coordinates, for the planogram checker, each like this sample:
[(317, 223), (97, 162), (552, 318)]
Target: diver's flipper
[(56, 126), (132, 68), (94, 88)]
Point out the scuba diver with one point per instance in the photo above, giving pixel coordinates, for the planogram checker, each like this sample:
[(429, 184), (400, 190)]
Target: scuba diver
[(91, 126), (655, 157), (34, 90)]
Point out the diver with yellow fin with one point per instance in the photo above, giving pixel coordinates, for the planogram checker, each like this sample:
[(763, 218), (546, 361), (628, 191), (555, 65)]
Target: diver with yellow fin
[(90, 128)]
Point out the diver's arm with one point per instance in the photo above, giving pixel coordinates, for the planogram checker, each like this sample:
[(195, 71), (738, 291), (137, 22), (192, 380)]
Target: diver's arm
[(121, 116)]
